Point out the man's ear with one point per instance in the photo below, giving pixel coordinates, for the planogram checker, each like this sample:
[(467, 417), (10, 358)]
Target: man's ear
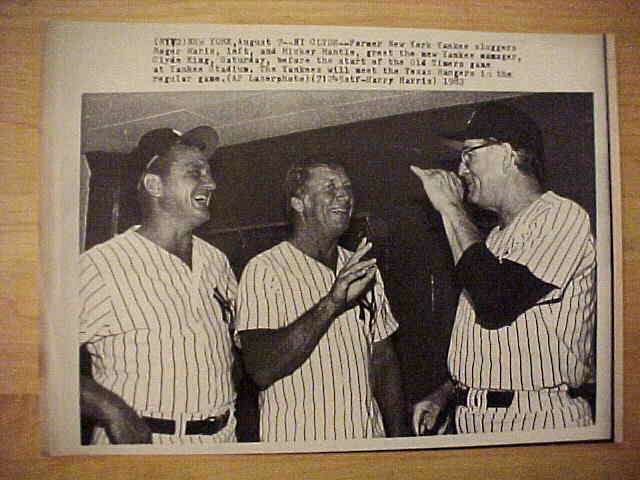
[(297, 204), (510, 160), (152, 184)]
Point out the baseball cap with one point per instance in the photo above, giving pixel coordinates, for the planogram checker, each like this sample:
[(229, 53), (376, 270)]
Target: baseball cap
[(157, 142), (505, 124)]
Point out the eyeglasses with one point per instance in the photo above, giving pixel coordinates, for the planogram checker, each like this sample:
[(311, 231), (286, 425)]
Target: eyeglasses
[(465, 155)]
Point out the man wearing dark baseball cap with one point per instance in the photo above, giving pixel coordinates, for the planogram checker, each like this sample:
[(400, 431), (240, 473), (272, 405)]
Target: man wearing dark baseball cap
[(522, 340), (156, 142), (157, 308), (498, 122)]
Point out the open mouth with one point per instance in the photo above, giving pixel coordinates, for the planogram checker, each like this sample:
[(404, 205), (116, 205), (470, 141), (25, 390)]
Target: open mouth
[(341, 214), (343, 211), (201, 200)]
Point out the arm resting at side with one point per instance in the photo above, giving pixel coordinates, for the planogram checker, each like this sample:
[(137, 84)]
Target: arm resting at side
[(120, 421), (499, 290), (428, 411), (387, 389)]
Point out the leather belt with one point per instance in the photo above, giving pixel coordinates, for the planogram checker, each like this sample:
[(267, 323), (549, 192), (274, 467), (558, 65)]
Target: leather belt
[(208, 426), (495, 398)]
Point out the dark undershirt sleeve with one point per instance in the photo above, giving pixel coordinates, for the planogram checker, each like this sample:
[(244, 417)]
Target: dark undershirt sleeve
[(499, 290)]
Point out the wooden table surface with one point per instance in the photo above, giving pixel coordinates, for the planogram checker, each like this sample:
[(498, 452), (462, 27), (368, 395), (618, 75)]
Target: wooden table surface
[(21, 369)]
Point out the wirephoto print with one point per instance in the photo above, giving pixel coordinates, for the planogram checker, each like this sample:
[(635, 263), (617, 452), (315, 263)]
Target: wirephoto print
[(290, 270)]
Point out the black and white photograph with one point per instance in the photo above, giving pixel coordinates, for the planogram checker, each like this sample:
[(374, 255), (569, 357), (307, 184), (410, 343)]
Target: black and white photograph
[(327, 239), (304, 266)]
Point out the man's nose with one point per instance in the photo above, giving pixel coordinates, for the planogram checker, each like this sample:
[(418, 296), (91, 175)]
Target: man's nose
[(462, 168), (208, 181), (343, 193)]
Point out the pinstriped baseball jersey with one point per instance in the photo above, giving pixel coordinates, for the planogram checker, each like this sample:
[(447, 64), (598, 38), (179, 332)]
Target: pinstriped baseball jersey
[(551, 344), (329, 396), (157, 330)]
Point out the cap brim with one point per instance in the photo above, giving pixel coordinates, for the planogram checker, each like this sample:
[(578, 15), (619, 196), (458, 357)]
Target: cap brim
[(454, 144), (203, 137), (466, 134), (455, 140)]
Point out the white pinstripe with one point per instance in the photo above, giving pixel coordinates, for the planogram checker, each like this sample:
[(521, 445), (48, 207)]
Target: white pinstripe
[(550, 345), (329, 397), (158, 337)]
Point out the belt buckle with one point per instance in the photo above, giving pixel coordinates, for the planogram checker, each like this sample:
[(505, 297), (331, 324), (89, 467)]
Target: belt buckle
[(214, 423), (207, 426)]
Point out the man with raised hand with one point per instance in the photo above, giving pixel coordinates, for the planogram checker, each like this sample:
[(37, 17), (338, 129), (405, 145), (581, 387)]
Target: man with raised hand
[(314, 323), (521, 349)]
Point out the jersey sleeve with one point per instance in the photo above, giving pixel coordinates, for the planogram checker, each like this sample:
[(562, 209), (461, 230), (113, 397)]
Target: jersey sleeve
[(385, 323), (259, 298), (554, 244), (96, 310), (534, 268), (499, 291)]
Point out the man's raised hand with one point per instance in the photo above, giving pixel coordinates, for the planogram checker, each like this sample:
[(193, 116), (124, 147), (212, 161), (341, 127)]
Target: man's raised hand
[(443, 188), (353, 278)]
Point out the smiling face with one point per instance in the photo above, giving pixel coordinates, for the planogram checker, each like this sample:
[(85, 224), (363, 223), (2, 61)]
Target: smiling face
[(187, 188), (482, 171), (326, 202)]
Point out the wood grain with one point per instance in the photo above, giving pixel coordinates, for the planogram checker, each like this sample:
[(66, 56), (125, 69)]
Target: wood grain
[(20, 371)]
